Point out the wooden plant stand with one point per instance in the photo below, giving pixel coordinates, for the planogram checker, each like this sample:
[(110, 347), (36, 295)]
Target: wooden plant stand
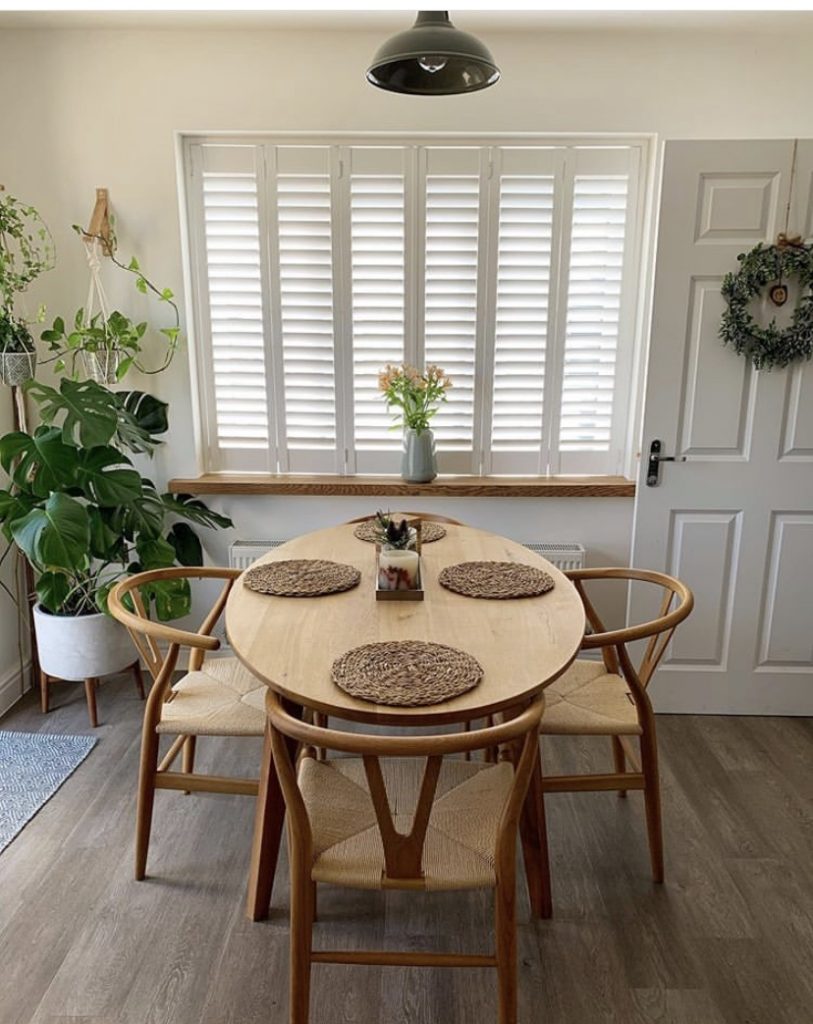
[(90, 691)]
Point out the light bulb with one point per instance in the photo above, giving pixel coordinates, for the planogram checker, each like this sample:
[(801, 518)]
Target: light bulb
[(432, 64)]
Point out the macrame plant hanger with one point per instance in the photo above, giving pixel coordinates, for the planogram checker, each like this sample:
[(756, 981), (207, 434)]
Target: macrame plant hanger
[(98, 241)]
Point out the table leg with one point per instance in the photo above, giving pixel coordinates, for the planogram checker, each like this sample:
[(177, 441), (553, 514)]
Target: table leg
[(269, 817), (534, 836)]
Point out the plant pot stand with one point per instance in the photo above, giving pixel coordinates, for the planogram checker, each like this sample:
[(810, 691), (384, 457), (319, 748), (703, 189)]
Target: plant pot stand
[(90, 691)]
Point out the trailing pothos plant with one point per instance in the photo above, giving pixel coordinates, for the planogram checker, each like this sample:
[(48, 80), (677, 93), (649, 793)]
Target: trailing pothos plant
[(79, 510), (26, 251), (114, 334)]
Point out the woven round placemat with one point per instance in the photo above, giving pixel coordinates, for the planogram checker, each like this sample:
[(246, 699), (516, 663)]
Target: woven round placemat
[(429, 531), (406, 673), (301, 577), (495, 580)]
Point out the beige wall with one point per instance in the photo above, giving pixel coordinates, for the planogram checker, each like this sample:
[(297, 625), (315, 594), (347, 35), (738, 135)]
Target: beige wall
[(99, 107)]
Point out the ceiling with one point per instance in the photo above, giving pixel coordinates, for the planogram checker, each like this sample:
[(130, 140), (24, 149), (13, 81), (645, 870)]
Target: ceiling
[(767, 22)]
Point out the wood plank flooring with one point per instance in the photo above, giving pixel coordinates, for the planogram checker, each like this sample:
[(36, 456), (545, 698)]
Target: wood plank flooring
[(727, 940)]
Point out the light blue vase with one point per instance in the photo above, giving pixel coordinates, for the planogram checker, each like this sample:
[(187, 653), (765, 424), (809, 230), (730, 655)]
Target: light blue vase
[(418, 464)]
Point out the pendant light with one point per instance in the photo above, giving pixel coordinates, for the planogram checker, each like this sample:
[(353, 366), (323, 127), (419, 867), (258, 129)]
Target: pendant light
[(433, 58)]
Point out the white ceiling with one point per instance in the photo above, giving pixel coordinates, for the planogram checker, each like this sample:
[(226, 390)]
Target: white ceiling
[(384, 21)]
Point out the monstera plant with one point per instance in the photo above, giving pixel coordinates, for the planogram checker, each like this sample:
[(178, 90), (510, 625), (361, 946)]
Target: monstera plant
[(84, 516), (79, 510)]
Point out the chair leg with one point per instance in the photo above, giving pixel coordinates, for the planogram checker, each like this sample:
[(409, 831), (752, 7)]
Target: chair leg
[(139, 678), (619, 761), (188, 756), (44, 694), (505, 928), (302, 910), (652, 803), (90, 697), (146, 798), (534, 835)]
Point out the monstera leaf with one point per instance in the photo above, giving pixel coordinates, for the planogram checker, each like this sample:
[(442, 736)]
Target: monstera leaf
[(93, 416), (90, 411), (189, 507), (14, 506), (103, 476), (187, 546), (53, 589), (55, 537), (40, 462), (149, 413), (155, 553)]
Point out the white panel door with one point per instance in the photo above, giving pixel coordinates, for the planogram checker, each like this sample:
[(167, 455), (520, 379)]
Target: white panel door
[(735, 519)]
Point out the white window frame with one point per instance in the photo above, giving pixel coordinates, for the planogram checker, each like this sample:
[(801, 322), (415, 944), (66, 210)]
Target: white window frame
[(481, 461)]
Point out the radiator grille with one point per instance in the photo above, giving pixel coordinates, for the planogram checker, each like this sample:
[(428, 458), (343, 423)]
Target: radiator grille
[(242, 553)]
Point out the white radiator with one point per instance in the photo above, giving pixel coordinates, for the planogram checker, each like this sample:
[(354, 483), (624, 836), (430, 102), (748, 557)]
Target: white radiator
[(564, 556)]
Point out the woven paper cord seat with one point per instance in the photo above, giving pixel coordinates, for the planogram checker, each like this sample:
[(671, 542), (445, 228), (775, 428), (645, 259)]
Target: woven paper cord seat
[(460, 839), (222, 699), (587, 700)]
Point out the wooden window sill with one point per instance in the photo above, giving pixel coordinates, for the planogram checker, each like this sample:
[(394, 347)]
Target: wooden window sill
[(380, 486)]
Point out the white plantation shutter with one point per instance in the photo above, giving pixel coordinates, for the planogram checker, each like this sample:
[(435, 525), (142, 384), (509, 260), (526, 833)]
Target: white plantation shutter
[(452, 267), (305, 279), (229, 278), (315, 263), (523, 309), (378, 280), (595, 318)]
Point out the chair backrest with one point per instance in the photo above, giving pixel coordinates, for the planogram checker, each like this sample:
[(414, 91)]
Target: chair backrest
[(658, 631), (517, 739), (146, 632), (430, 517)]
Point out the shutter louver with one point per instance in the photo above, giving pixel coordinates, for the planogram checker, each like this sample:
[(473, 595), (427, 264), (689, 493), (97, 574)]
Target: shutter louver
[(450, 304), (232, 240), (377, 249), (593, 312), (521, 319), (306, 310)]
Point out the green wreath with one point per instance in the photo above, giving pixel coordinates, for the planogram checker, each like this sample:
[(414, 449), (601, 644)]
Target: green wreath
[(769, 347)]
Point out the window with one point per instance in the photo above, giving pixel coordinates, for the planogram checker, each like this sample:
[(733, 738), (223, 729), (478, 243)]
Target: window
[(316, 261)]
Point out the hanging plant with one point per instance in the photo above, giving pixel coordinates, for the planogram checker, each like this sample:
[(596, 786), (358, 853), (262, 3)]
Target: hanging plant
[(26, 251), (110, 343), (770, 346)]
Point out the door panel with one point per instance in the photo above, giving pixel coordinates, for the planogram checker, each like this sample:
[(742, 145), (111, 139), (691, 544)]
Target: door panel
[(735, 520)]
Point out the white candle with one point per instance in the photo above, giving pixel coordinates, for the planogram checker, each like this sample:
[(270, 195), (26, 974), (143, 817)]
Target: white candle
[(398, 569)]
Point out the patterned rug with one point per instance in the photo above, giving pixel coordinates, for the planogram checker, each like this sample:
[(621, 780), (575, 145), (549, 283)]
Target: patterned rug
[(32, 768)]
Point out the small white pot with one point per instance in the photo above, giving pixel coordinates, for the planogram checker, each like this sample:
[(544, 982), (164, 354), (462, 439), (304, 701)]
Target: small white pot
[(78, 647)]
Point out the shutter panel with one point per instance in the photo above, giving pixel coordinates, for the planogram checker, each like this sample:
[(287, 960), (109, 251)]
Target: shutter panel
[(305, 256), (523, 271), (452, 271), (598, 250), (230, 280), (377, 233)]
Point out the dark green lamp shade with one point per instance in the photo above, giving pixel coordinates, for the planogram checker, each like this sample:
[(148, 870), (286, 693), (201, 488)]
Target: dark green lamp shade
[(433, 58)]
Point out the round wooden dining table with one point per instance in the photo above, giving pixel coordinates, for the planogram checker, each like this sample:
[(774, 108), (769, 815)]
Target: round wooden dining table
[(290, 643)]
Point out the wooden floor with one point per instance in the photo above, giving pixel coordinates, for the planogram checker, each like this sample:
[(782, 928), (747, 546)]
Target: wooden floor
[(727, 940)]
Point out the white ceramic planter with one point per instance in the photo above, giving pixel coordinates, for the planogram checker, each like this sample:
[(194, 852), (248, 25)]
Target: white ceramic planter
[(81, 647)]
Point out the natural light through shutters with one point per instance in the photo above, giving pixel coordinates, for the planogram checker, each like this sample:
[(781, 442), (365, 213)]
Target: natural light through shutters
[(521, 326), (306, 306), (377, 245), (514, 265), (593, 312), (452, 255), (232, 239)]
